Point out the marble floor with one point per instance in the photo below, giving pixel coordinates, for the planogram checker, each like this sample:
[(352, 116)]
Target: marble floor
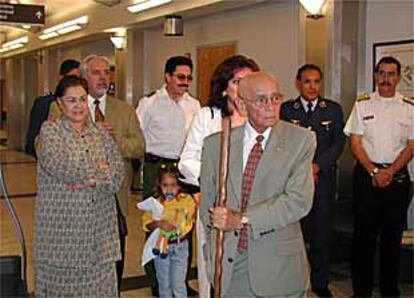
[(19, 171)]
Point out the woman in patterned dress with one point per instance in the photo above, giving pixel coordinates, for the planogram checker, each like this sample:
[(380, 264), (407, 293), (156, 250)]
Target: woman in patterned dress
[(78, 173)]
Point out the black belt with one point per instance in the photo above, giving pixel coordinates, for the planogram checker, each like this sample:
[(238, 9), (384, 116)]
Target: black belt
[(152, 158), (178, 239)]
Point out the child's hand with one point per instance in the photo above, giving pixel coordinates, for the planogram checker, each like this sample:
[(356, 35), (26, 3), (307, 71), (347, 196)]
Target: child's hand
[(165, 225)]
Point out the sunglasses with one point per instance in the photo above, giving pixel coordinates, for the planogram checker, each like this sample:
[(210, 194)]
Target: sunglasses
[(182, 77)]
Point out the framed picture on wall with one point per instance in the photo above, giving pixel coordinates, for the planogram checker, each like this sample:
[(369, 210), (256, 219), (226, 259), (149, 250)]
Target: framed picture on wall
[(403, 50)]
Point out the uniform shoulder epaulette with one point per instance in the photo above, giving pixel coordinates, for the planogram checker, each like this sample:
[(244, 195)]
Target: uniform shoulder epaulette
[(409, 100), (150, 94), (365, 96)]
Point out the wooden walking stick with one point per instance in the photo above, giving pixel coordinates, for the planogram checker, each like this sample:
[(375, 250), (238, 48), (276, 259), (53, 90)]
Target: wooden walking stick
[(221, 200)]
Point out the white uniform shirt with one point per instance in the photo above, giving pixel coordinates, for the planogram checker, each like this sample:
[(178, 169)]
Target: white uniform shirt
[(249, 140), (165, 122), (206, 122), (385, 124), (91, 105)]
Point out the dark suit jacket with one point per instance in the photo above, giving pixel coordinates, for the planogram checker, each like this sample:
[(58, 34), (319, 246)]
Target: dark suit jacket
[(38, 114), (326, 121)]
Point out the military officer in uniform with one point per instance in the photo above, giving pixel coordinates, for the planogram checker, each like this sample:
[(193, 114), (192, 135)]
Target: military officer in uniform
[(381, 134), (325, 118)]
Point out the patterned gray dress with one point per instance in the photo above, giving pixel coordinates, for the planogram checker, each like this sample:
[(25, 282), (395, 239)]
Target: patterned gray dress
[(76, 232)]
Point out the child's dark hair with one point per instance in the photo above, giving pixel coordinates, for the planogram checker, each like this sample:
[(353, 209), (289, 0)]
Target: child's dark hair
[(165, 169)]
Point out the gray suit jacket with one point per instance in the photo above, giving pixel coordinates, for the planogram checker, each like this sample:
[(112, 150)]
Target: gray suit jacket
[(281, 195)]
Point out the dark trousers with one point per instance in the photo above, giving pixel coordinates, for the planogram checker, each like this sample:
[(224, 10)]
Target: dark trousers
[(123, 232), (317, 229), (378, 212)]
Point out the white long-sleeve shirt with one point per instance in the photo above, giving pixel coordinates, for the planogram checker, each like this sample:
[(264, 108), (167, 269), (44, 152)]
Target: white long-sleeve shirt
[(206, 122), (165, 122)]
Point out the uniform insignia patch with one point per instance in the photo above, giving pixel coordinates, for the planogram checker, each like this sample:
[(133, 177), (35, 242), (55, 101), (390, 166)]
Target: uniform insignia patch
[(368, 117), (322, 104), (326, 124), (296, 105), (409, 100), (365, 96)]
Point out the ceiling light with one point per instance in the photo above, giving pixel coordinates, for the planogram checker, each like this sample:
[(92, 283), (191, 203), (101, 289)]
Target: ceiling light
[(118, 42), (313, 7), (69, 29), (14, 44), (118, 31), (63, 28), (146, 4), (48, 35)]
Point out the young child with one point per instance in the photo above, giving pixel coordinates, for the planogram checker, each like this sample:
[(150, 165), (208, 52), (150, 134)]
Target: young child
[(170, 214)]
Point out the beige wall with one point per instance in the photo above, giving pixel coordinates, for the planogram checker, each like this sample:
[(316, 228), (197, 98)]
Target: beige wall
[(269, 33), (385, 21)]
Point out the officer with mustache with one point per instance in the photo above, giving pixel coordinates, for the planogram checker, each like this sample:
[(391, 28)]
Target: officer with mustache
[(165, 117), (381, 135)]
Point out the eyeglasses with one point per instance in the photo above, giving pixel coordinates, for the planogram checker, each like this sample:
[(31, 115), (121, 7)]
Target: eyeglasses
[(390, 74), (182, 77), (262, 101), (73, 99)]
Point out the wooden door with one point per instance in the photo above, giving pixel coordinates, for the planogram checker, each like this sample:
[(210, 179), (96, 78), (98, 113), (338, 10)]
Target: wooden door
[(208, 58)]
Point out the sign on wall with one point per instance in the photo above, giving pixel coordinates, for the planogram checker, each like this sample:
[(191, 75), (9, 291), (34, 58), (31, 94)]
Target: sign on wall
[(22, 14)]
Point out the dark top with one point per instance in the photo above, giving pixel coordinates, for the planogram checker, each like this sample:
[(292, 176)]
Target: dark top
[(38, 115), (326, 121)]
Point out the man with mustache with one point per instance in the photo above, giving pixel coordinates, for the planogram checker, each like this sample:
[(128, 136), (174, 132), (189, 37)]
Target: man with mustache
[(165, 117), (381, 135), (120, 120), (325, 118)]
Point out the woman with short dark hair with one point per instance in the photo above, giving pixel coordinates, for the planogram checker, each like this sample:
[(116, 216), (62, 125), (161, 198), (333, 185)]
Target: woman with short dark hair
[(79, 171)]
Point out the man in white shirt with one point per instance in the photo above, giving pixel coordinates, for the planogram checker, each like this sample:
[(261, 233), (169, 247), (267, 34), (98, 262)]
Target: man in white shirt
[(381, 133), (165, 117)]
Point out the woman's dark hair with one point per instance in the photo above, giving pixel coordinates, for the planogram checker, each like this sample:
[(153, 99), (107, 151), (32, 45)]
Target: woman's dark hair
[(165, 169), (221, 77), (69, 81)]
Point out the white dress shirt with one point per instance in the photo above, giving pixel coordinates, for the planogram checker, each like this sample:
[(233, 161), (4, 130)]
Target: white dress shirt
[(249, 140), (206, 122), (385, 124), (305, 103), (165, 122), (91, 105)]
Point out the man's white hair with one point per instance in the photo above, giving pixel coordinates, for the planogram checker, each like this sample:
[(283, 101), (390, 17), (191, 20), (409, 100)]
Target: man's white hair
[(84, 65)]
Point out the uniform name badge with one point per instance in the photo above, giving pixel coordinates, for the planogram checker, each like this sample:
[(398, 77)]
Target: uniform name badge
[(368, 117)]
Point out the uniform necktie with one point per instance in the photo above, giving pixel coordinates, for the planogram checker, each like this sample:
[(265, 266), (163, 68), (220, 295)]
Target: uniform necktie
[(309, 111), (248, 178), (99, 116)]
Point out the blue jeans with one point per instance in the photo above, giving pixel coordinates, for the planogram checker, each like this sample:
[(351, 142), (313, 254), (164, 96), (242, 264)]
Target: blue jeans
[(171, 271)]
